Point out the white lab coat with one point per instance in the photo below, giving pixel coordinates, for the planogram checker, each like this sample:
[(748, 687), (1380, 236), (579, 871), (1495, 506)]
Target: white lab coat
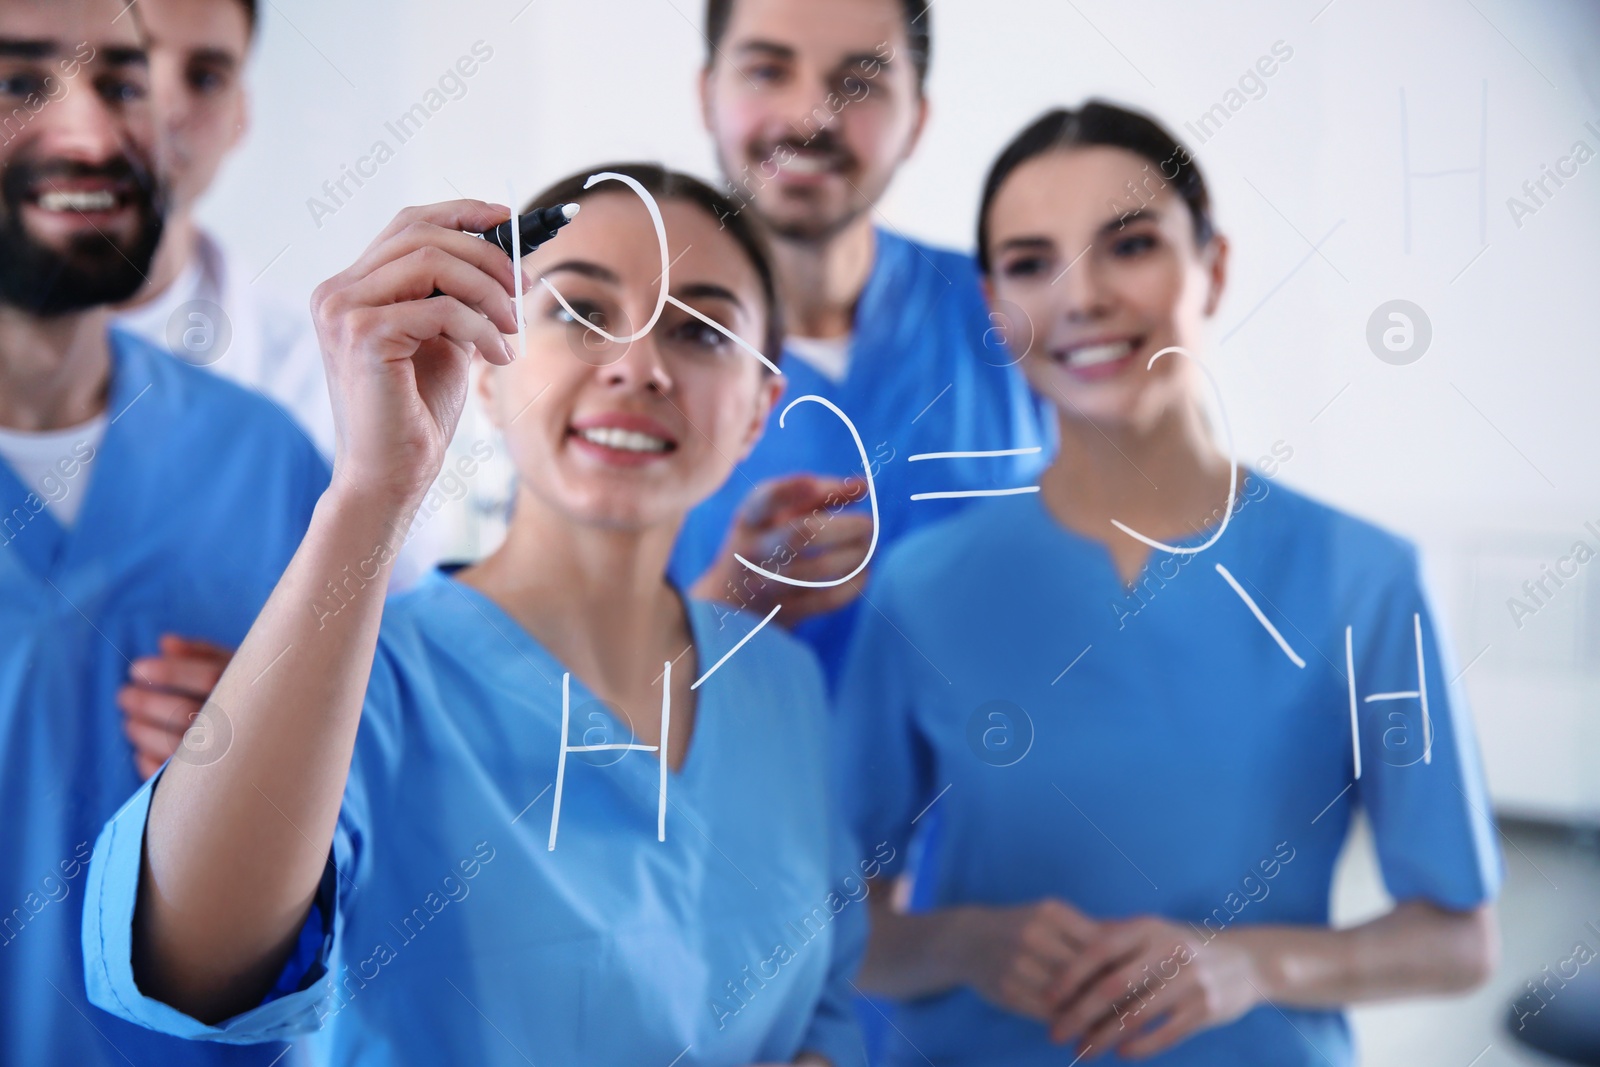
[(265, 342)]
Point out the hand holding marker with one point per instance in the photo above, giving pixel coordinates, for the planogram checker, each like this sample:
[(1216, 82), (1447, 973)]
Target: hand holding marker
[(535, 228)]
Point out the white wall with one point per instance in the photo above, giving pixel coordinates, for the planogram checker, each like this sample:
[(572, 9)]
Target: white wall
[(1485, 449)]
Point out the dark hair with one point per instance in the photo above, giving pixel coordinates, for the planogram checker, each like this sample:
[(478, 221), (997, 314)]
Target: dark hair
[(919, 33), (250, 15), (1100, 123), (664, 184)]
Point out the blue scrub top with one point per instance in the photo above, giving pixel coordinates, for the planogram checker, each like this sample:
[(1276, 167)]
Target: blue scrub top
[(1151, 749), (458, 936), (198, 495), (928, 373)]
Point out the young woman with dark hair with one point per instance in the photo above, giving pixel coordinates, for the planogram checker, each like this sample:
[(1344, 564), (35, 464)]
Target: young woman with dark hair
[(430, 835), (1146, 701)]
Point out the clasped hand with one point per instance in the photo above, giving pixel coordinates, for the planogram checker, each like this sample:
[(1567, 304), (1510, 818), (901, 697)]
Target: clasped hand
[(1135, 986)]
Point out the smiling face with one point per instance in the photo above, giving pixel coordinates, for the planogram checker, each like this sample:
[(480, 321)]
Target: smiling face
[(630, 436), (79, 214), (197, 54), (812, 105), (1100, 282)]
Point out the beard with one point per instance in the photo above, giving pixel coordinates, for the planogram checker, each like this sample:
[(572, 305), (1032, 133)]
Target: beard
[(799, 215), (95, 268), (811, 226)]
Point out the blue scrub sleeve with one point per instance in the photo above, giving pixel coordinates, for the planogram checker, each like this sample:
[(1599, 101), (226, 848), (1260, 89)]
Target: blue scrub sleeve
[(1425, 796), (835, 1031), (883, 764), (110, 896), (303, 995)]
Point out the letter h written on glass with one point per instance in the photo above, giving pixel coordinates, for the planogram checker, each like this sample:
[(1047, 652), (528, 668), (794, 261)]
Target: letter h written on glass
[(561, 765), (1419, 694)]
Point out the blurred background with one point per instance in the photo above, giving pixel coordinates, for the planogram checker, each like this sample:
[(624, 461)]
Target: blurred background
[(1384, 160)]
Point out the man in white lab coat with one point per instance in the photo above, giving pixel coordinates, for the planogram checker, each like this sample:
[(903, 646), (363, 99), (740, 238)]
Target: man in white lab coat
[(208, 308), (200, 302)]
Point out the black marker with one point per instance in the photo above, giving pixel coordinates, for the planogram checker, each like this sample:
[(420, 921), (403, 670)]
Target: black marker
[(535, 228)]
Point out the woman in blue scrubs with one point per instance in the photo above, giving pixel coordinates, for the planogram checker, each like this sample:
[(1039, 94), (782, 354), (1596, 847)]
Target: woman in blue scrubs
[(1144, 702), (541, 809)]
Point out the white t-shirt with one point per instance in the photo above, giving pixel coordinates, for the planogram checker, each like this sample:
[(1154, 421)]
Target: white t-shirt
[(55, 464), (828, 356)]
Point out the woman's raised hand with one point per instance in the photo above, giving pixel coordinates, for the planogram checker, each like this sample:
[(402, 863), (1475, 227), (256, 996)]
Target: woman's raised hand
[(397, 357)]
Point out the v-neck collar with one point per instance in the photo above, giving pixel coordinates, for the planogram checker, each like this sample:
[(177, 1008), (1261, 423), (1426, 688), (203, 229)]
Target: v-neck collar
[(1035, 502), (531, 652), (136, 422), (37, 540)]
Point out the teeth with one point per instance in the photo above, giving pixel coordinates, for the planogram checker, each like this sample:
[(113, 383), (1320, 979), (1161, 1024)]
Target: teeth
[(802, 163), (1094, 355), (78, 200), (623, 440)]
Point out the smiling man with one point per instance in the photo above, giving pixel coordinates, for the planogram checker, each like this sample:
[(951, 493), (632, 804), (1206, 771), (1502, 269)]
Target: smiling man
[(813, 106), (138, 496)]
